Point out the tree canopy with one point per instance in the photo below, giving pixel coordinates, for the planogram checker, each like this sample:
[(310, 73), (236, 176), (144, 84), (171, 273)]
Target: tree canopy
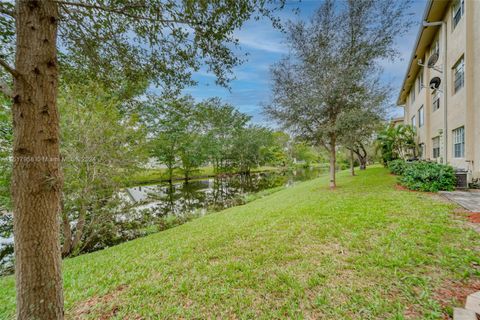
[(161, 41)]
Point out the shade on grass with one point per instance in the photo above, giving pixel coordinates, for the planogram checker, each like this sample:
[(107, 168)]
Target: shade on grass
[(363, 251)]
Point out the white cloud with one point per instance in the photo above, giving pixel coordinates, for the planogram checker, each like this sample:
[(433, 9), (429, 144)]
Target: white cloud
[(262, 42), (260, 35)]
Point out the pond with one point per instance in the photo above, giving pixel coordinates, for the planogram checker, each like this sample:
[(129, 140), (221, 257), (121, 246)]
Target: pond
[(180, 198), (214, 193)]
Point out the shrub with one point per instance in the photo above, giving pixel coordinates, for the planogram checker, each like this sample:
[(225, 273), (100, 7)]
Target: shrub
[(428, 176), (397, 166)]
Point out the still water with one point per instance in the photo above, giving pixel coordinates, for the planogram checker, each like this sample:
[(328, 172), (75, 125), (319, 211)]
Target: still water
[(213, 193)]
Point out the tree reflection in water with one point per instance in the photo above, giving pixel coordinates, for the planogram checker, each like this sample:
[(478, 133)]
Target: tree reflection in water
[(220, 192)]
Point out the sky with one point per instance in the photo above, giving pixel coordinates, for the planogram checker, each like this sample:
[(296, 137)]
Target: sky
[(265, 45)]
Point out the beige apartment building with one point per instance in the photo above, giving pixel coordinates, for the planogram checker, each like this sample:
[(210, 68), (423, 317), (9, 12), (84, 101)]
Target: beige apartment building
[(441, 90)]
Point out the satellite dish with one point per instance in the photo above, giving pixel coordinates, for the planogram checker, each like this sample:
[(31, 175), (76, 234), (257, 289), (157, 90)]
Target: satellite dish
[(432, 60), (435, 83)]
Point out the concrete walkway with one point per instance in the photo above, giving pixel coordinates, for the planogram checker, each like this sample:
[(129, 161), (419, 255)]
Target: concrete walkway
[(470, 200)]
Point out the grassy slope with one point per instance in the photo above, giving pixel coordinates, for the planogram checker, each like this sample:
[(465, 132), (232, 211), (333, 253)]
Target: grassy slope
[(364, 251)]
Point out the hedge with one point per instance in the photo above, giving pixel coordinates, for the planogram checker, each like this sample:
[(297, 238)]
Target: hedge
[(397, 167), (428, 176)]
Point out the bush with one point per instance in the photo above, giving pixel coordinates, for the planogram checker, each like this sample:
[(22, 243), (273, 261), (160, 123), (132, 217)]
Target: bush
[(428, 176), (397, 166)]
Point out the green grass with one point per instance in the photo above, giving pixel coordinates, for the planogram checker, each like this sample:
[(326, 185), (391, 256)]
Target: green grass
[(363, 251)]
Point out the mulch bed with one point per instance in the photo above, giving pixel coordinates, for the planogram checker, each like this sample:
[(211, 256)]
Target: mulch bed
[(473, 217), (403, 188), (455, 293)]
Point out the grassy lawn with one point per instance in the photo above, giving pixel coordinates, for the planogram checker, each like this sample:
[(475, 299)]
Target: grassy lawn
[(363, 251)]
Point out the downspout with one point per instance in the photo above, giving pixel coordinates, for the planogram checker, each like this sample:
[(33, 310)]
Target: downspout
[(444, 72)]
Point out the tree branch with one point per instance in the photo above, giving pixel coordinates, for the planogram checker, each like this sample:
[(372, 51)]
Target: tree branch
[(363, 149), (5, 89), (8, 68), (120, 11)]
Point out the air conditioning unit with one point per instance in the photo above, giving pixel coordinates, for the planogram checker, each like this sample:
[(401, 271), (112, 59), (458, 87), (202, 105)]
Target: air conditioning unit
[(462, 178)]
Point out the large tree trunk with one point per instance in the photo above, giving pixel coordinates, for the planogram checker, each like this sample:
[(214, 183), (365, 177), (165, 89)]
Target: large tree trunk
[(37, 178), (333, 161)]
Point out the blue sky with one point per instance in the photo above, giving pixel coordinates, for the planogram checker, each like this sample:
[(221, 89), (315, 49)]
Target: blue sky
[(265, 45)]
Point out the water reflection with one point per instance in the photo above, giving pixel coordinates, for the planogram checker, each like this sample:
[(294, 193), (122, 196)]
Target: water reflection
[(214, 193)]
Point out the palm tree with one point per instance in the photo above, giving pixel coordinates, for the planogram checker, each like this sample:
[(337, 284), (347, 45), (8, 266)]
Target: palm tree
[(397, 142)]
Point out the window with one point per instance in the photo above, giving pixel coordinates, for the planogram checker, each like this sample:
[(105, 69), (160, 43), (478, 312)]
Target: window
[(436, 147), (414, 122), (436, 101), (420, 80), (458, 74), (459, 142), (421, 117), (457, 11), (412, 95)]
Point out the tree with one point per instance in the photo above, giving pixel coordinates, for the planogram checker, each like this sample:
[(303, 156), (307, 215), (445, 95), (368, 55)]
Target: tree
[(171, 125), (359, 125), (192, 151), (332, 60), (160, 40), (280, 150), (251, 148), (302, 151), (99, 147), (220, 123)]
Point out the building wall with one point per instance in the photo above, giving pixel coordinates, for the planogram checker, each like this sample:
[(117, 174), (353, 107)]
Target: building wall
[(463, 107), (456, 102), (473, 82)]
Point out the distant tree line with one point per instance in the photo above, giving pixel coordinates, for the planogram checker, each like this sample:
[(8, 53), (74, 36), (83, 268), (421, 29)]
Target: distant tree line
[(186, 135)]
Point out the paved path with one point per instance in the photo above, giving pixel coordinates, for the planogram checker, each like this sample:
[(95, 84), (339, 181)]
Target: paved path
[(470, 200)]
